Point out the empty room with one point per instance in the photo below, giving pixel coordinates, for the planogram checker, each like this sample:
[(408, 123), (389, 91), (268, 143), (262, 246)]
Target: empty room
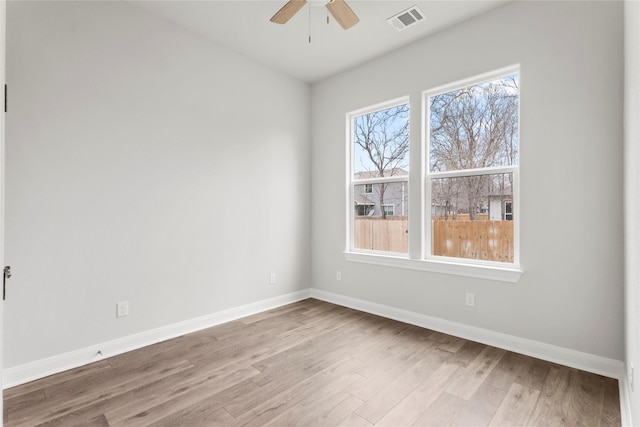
[(335, 213)]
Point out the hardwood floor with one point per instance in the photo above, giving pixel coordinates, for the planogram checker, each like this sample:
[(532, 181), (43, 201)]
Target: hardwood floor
[(315, 363)]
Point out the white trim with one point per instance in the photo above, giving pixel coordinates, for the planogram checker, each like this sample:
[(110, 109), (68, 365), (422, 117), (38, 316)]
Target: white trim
[(41, 368), (350, 181), (380, 180), (575, 359), (472, 81), (494, 170), (494, 271), (3, 39), (428, 175), (626, 415), (377, 107)]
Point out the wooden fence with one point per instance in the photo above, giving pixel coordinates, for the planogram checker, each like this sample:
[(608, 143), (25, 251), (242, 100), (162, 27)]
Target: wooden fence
[(481, 239), (382, 234)]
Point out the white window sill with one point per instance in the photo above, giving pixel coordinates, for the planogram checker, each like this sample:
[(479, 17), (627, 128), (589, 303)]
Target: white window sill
[(504, 274)]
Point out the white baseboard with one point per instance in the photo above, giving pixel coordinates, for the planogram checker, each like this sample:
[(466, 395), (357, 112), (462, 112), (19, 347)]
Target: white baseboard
[(567, 357), (625, 402), (42, 368)]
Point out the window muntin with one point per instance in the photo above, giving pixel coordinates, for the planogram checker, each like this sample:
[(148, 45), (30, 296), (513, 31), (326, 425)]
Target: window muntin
[(379, 144), (472, 170)]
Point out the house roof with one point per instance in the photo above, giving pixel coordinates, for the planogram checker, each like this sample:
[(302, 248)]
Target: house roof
[(376, 174), (361, 199)]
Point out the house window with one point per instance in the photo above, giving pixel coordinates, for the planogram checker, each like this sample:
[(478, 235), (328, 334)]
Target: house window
[(379, 176), (364, 209), (508, 211), (472, 169)]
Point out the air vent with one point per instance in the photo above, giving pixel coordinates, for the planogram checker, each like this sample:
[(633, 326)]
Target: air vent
[(407, 18)]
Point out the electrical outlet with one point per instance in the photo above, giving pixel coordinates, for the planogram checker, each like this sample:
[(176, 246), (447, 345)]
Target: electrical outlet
[(470, 299), (122, 309), (272, 278), (339, 276)]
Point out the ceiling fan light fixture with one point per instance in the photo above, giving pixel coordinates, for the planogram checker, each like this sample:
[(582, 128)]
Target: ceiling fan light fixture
[(317, 3), (339, 9)]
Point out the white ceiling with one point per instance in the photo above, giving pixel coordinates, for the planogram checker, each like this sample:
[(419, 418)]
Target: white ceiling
[(244, 27)]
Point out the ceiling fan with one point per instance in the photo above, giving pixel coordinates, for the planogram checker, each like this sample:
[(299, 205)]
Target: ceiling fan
[(339, 9)]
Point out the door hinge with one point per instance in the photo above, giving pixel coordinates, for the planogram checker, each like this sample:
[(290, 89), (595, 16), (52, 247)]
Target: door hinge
[(5, 98), (6, 275)]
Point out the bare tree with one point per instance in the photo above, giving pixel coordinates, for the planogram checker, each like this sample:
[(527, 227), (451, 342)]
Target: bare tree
[(383, 137), (475, 127)]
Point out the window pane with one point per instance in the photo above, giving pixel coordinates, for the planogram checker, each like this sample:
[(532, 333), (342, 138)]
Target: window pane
[(474, 127), (471, 217), (381, 143), (380, 217)]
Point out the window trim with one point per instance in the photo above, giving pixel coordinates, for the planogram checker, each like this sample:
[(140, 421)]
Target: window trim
[(444, 266), (414, 259), (428, 176), (351, 182)]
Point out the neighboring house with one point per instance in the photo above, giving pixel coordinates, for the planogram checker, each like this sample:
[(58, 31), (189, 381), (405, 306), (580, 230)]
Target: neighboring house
[(495, 203), (500, 207), (394, 195)]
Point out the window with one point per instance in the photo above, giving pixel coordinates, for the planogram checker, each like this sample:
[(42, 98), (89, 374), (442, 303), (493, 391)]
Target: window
[(466, 206), (379, 147), (508, 211), (472, 168), (364, 210)]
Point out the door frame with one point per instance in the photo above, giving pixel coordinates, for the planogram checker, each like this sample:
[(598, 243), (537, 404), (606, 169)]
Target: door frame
[(3, 11)]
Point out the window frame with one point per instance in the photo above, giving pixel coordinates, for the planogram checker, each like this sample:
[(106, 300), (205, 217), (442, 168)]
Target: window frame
[(429, 175), (351, 182), (418, 256)]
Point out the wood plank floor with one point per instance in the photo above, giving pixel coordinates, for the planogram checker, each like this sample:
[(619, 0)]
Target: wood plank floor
[(317, 364)]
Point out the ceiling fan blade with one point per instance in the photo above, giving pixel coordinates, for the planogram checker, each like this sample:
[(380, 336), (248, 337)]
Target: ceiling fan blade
[(342, 13), (287, 11)]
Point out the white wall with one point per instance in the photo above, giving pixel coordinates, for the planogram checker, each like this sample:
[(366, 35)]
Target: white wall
[(632, 199), (571, 56), (143, 164)]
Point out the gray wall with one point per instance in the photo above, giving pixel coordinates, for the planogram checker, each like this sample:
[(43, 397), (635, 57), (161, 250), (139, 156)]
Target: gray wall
[(571, 55), (143, 164)]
